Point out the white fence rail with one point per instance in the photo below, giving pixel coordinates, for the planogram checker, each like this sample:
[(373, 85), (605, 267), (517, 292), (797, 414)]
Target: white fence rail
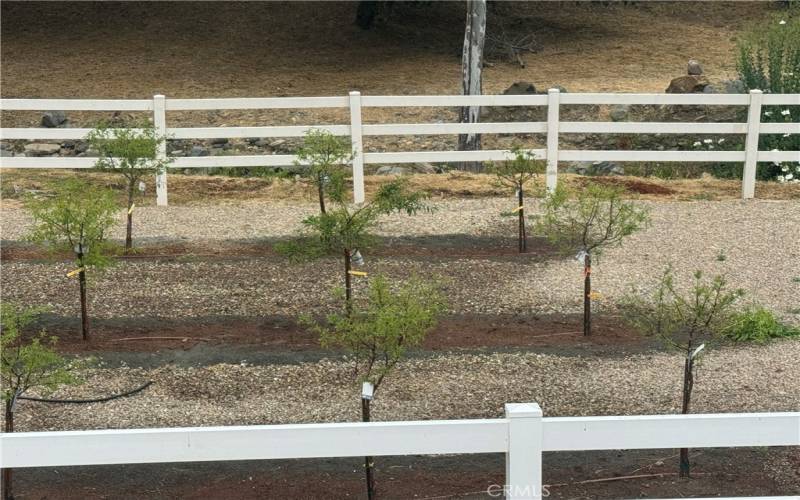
[(355, 103), (522, 435)]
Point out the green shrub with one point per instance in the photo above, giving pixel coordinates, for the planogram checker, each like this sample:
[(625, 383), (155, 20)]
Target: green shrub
[(769, 60), (758, 324)]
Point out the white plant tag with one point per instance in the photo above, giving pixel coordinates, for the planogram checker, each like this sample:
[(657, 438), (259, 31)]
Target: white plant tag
[(581, 256), (142, 186), (366, 390), (697, 351)]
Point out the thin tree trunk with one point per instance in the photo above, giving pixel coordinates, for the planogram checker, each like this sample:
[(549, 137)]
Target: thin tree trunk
[(688, 385), (129, 228), (471, 67), (84, 305), (321, 192), (8, 473), (523, 237), (587, 291), (348, 283), (368, 462)]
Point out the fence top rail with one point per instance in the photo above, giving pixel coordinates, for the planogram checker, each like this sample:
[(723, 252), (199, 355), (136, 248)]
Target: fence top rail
[(453, 100), (174, 104)]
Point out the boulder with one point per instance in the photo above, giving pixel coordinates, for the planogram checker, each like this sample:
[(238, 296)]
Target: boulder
[(43, 149), (424, 168), (694, 68), (735, 86), (520, 88), (198, 151), (619, 112), (389, 170), (687, 84), (596, 168), (53, 119)]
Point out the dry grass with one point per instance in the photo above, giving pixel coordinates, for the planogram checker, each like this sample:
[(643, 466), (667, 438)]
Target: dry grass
[(219, 49), (202, 189)]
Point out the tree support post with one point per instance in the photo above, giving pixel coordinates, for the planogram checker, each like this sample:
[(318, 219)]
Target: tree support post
[(366, 397), (587, 294)]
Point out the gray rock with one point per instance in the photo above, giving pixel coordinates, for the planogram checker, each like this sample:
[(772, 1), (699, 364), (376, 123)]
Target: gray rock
[(735, 86), (198, 151), (6, 153), (178, 152), (220, 141), (45, 149), (389, 170), (596, 168), (694, 68), (424, 168), (53, 119), (619, 112)]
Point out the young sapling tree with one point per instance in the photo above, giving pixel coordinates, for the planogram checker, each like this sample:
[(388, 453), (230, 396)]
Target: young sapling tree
[(345, 228), (378, 331), (687, 321), (516, 174), (326, 155), (77, 219), (132, 153), (26, 365), (589, 221)]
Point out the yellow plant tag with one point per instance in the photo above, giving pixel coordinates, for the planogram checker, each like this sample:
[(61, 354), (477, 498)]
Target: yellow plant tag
[(73, 273), (518, 208), (595, 295), (357, 273), (130, 210)]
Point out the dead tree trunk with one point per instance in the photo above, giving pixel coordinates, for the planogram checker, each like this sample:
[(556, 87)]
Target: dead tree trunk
[(471, 67)]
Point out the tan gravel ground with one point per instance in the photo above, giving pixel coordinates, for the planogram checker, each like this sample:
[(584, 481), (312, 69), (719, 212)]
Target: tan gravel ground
[(752, 379), (759, 240)]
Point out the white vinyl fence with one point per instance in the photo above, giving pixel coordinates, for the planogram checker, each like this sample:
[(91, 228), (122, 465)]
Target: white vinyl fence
[(356, 130), (522, 435)]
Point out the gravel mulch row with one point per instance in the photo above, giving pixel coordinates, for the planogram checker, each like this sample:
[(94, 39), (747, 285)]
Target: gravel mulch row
[(751, 379), (756, 244)]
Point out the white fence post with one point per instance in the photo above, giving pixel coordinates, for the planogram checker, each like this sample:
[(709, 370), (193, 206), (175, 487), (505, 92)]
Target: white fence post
[(160, 125), (552, 138), (751, 145), (524, 456), (357, 147)]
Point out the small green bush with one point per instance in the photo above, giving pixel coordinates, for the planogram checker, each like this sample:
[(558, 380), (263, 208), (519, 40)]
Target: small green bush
[(769, 60), (758, 324)]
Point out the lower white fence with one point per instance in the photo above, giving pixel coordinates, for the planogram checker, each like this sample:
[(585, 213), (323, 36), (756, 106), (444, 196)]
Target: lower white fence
[(354, 103), (522, 435)]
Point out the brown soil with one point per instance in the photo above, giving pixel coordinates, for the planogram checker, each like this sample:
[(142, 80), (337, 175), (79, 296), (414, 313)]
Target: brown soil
[(448, 246), (281, 334), (585, 475)]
